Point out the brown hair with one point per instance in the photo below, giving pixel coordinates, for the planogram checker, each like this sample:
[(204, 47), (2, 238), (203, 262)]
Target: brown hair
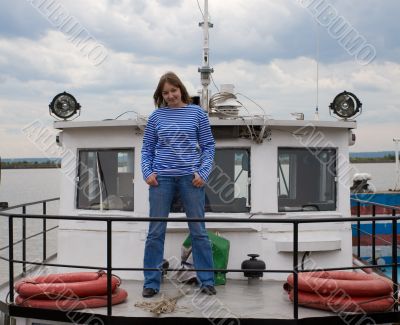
[(174, 80)]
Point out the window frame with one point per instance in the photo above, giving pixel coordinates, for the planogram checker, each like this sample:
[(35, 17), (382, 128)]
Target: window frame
[(178, 208), (309, 207), (78, 173), (248, 150)]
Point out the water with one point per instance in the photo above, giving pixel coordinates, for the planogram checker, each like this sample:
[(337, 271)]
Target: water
[(383, 174), (27, 185), (22, 186)]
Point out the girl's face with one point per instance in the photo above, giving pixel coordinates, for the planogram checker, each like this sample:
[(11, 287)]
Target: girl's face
[(172, 95)]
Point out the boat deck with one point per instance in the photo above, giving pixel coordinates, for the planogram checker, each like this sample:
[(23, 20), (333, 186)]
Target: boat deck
[(238, 300)]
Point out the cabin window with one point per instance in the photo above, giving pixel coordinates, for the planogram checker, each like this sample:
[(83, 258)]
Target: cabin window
[(306, 179), (105, 179), (228, 187)]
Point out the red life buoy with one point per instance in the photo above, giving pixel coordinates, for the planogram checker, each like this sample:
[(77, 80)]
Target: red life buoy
[(118, 297), (344, 303), (342, 291), (354, 284), (80, 284)]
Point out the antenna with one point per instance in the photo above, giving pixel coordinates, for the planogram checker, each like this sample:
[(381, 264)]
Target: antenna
[(316, 114), (205, 70)]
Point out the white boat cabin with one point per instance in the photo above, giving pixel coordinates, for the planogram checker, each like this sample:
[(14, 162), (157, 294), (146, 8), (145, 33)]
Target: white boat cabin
[(263, 168)]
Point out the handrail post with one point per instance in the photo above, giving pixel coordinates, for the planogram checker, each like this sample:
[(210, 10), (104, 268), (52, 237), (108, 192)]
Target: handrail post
[(358, 230), (44, 233), (295, 270), (109, 268), (394, 261), (11, 257), (373, 235), (24, 241)]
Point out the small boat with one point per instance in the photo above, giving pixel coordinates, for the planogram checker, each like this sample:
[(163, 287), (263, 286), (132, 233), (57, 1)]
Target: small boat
[(373, 241)]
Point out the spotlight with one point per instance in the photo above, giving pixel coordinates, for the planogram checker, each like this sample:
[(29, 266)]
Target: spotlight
[(346, 105), (64, 106)]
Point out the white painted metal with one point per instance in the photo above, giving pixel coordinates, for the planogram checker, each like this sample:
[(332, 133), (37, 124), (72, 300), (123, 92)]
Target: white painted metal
[(205, 70), (139, 123), (83, 243)]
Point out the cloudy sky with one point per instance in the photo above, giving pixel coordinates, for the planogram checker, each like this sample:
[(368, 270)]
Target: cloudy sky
[(110, 54)]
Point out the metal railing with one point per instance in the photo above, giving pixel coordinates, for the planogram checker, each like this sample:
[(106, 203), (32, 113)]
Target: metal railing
[(374, 219), (24, 238), (294, 270)]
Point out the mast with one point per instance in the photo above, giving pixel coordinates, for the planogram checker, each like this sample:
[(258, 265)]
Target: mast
[(205, 70), (316, 113)]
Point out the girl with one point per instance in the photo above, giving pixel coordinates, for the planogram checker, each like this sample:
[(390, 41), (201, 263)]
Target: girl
[(177, 156)]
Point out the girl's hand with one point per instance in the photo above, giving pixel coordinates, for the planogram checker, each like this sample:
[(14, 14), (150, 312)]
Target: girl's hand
[(152, 180), (197, 180)]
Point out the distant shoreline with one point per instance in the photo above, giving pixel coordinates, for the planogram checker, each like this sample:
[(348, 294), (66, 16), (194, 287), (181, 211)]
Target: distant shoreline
[(55, 166), (29, 167), (30, 163), (371, 160)]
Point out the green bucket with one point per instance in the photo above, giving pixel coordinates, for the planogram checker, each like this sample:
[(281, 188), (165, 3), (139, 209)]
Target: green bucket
[(220, 250)]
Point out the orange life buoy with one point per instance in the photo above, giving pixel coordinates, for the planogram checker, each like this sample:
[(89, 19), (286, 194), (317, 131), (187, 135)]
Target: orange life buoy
[(344, 303), (354, 284), (79, 284), (342, 291), (118, 297)]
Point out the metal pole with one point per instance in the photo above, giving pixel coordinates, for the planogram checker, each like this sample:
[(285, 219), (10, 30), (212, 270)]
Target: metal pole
[(205, 70), (358, 230), (295, 270), (11, 257), (396, 153), (24, 241), (373, 235), (394, 262), (205, 35), (109, 268), (206, 50), (44, 233), (316, 114)]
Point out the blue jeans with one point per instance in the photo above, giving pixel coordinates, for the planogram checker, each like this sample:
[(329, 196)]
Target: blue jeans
[(193, 199)]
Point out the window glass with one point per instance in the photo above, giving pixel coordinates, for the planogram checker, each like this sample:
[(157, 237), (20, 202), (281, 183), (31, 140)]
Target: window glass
[(105, 179), (306, 179), (228, 187)]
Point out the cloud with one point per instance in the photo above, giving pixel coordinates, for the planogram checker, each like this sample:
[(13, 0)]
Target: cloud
[(16, 145), (19, 19), (55, 65), (258, 30), (265, 47), (375, 137)]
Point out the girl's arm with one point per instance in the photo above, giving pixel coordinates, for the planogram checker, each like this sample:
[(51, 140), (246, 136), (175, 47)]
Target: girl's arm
[(148, 149), (207, 146)]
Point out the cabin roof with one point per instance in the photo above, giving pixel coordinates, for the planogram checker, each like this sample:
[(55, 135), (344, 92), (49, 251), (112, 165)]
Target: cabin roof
[(214, 121)]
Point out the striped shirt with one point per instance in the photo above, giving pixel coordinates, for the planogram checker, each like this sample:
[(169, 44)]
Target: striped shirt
[(178, 142)]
